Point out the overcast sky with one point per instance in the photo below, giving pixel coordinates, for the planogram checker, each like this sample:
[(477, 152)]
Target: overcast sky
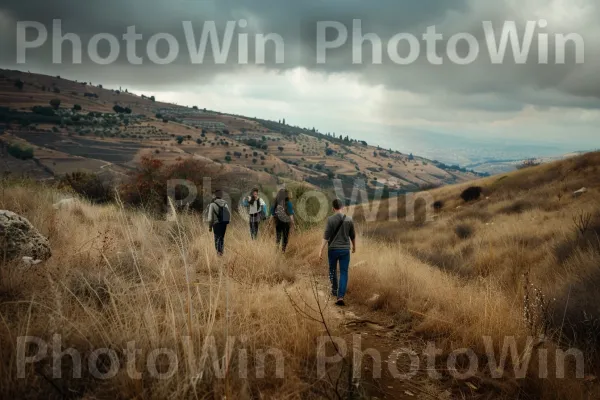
[(391, 104)]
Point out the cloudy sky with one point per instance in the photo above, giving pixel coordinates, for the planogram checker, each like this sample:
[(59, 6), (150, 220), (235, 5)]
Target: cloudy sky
[(417, 106)]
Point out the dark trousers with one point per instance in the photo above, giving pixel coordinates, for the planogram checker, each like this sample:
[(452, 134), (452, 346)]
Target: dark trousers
[(254, 229), (282, 230), (338, 287), (219, 230)]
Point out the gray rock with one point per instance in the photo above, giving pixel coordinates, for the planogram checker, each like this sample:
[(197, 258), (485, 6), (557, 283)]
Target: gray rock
[(18, 238)]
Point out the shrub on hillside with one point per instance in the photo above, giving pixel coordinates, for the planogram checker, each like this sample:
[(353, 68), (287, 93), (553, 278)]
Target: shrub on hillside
[(121, 110), (517, 207), (463, 231), (472, 193), (576, 311), (584, 238), (148, 186), (438, 205), (55, 103), (20, 152), (41, 110), (88, 185), (528, 163)]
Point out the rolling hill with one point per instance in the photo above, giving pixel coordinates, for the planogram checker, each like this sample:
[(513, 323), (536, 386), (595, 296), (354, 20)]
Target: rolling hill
[(91, 128)]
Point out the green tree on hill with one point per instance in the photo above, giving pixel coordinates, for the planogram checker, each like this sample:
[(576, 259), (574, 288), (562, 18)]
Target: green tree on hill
[(121, 110), (55, 103), (22, 153)]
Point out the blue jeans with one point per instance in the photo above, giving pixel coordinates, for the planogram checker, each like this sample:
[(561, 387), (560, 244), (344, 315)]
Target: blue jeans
[(343, 257)]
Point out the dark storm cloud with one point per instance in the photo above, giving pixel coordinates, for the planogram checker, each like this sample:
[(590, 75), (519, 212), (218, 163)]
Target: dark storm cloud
[(513, 85)]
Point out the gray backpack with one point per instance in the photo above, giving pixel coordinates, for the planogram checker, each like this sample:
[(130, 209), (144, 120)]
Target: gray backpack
[(223, 214), (281, 214)]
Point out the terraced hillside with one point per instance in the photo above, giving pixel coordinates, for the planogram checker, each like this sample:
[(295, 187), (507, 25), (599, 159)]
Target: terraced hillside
[(79, 126)]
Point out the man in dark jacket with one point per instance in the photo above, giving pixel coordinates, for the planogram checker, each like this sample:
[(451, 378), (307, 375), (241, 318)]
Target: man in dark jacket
[(339, 237)]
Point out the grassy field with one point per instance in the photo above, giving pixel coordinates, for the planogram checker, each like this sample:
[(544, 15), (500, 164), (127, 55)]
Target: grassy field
[(520, 263)]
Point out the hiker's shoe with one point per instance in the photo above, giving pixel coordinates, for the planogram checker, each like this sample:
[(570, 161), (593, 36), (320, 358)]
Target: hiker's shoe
[(340, 302)]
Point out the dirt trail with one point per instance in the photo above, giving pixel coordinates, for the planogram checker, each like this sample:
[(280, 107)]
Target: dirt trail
[(390, 338)]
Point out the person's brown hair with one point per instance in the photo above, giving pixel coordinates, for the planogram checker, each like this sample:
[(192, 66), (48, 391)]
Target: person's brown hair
[(282, 198)]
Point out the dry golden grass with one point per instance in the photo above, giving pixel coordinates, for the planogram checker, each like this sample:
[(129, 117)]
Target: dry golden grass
[(118, 276), (527, 234)]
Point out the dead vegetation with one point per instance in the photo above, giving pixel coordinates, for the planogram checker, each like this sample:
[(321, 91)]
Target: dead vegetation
[(520, 262)]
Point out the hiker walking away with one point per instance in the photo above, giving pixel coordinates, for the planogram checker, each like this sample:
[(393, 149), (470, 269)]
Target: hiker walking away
[(283, 213), (257, 210), (218, 219), (339, 235)]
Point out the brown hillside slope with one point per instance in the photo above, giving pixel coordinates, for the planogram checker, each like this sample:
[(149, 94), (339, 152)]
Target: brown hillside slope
[(292, 152), (529, 241)]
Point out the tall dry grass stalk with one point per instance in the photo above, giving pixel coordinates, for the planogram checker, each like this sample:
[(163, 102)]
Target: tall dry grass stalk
[(119, 276)]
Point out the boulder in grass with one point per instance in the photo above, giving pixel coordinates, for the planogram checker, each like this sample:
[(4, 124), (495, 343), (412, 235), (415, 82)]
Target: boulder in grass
[(18, 239)]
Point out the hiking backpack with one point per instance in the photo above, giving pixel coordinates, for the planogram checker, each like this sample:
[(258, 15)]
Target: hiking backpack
[(281, 214), (223, 215)]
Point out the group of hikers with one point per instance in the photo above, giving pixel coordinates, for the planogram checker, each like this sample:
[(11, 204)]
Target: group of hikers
[(339, 235)]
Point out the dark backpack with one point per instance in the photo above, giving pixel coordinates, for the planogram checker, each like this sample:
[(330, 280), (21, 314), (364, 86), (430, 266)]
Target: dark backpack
[(223, 216)]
